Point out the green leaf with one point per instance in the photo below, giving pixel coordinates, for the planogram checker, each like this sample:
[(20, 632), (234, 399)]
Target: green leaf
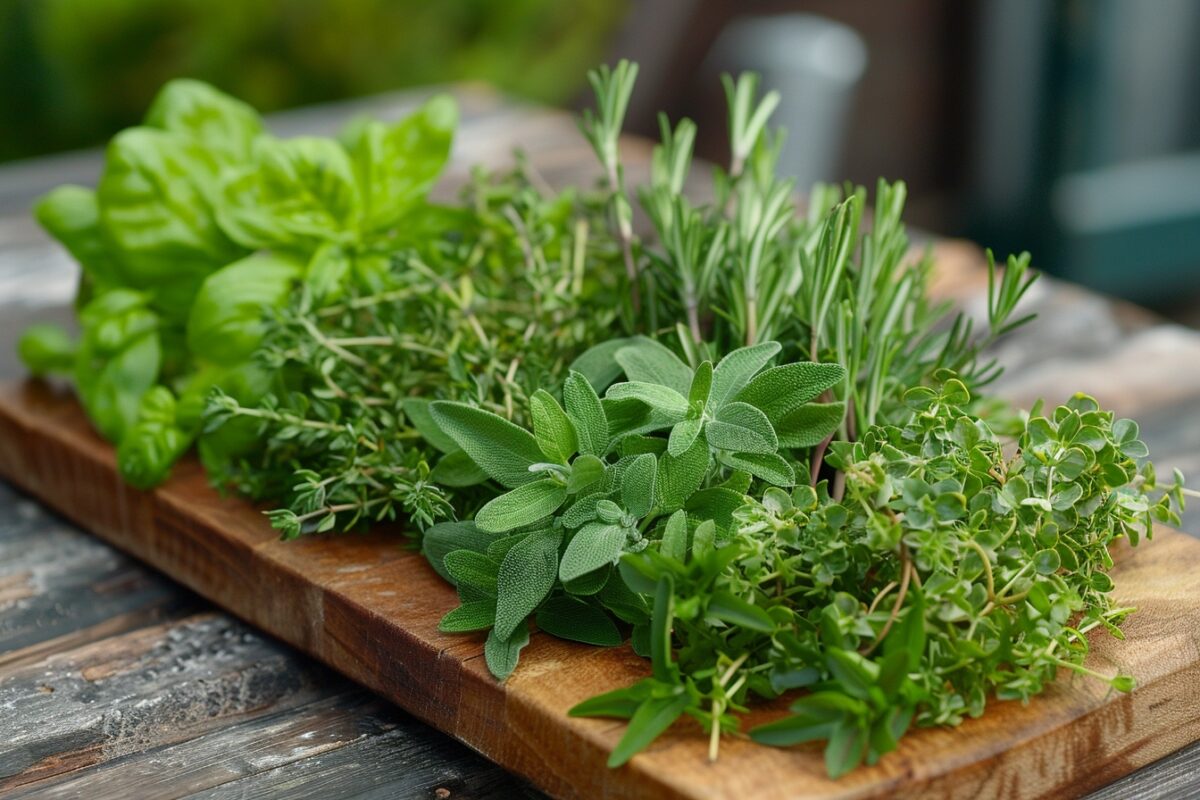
[(717, 504), (569, 618), (701, 385), (226, 325), (446, 537), (647, 361), (662, 619), (653, 716), (503, 450), (846, 748), (396, 165), (679, 477), (224, 125), (553, 430), (683, 435), (420, 417), (299, 193), (855, 674), (585, 471), (472, 569), (526, 576), (599, 364), (742, 428), (659, 398), (729, 608), (638, 485), (794, 729), (155, 208), (477, 615), (593, 546), (502, 654), (675, 537), (586, 414), (46, 349), (457, 470), (778, 390), (737, 368), (72, 216), (522, 506), (768, 466), (150, 447), (621, 703), (808, 425)]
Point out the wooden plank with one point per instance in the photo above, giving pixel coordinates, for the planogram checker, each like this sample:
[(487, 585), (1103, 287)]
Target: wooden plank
[(347, 738), (370, 609)]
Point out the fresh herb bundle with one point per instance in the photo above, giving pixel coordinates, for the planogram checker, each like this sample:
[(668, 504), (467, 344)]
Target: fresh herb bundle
[(746, 436)]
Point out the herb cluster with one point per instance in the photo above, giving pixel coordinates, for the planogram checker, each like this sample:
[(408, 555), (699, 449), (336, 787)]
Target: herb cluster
[(745, 438)]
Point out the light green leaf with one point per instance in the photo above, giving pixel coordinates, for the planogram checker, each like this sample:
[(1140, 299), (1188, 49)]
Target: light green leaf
[(592, 547), (586, 414), (809, 424), (503, 450), (457, 470), (553, 430), (156, 210), (524, 505), (658, 397), (653, 716), (526, 576), (473, 569), (299, 193), (396, 165), (599, 364), (638, 485), (675, 537), (735, 369), (570, 618), (716, 504), (770, 467), (502, 654), (648, 361), (701, 385), (683, 434), (193, 109), (743, 428), (72, 216), (681, 476), (446, 537), (477, 615), (585, 471), (778, 390), (421, 418), (226, 325)]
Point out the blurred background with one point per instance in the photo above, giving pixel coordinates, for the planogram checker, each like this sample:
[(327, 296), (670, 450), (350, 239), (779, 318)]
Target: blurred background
[(1068, 128)]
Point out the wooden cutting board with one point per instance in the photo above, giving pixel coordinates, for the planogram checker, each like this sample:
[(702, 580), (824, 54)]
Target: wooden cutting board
[(370, 608)]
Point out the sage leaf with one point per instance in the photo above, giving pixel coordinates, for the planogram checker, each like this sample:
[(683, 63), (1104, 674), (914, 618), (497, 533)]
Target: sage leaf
[(658, 397), (553, 430), (500, 448), (675, 537), (474, 616), (809, 424), (742, 428), (778, 390), (736, 369), (770, 467), (683, 434), (502, 654), (578, 621), (525, 578), (679, 477), (638, 485), (472, 569), (593, 546), (586, 414), (522, 506), (648, 361)]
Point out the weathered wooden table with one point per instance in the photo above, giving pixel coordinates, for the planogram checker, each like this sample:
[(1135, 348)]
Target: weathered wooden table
[(116, 682)]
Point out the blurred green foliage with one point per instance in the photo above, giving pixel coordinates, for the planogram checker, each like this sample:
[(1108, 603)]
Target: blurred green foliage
[(72, 72)]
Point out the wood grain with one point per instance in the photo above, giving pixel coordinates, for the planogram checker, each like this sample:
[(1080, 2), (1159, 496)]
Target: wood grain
[(368, 608)]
